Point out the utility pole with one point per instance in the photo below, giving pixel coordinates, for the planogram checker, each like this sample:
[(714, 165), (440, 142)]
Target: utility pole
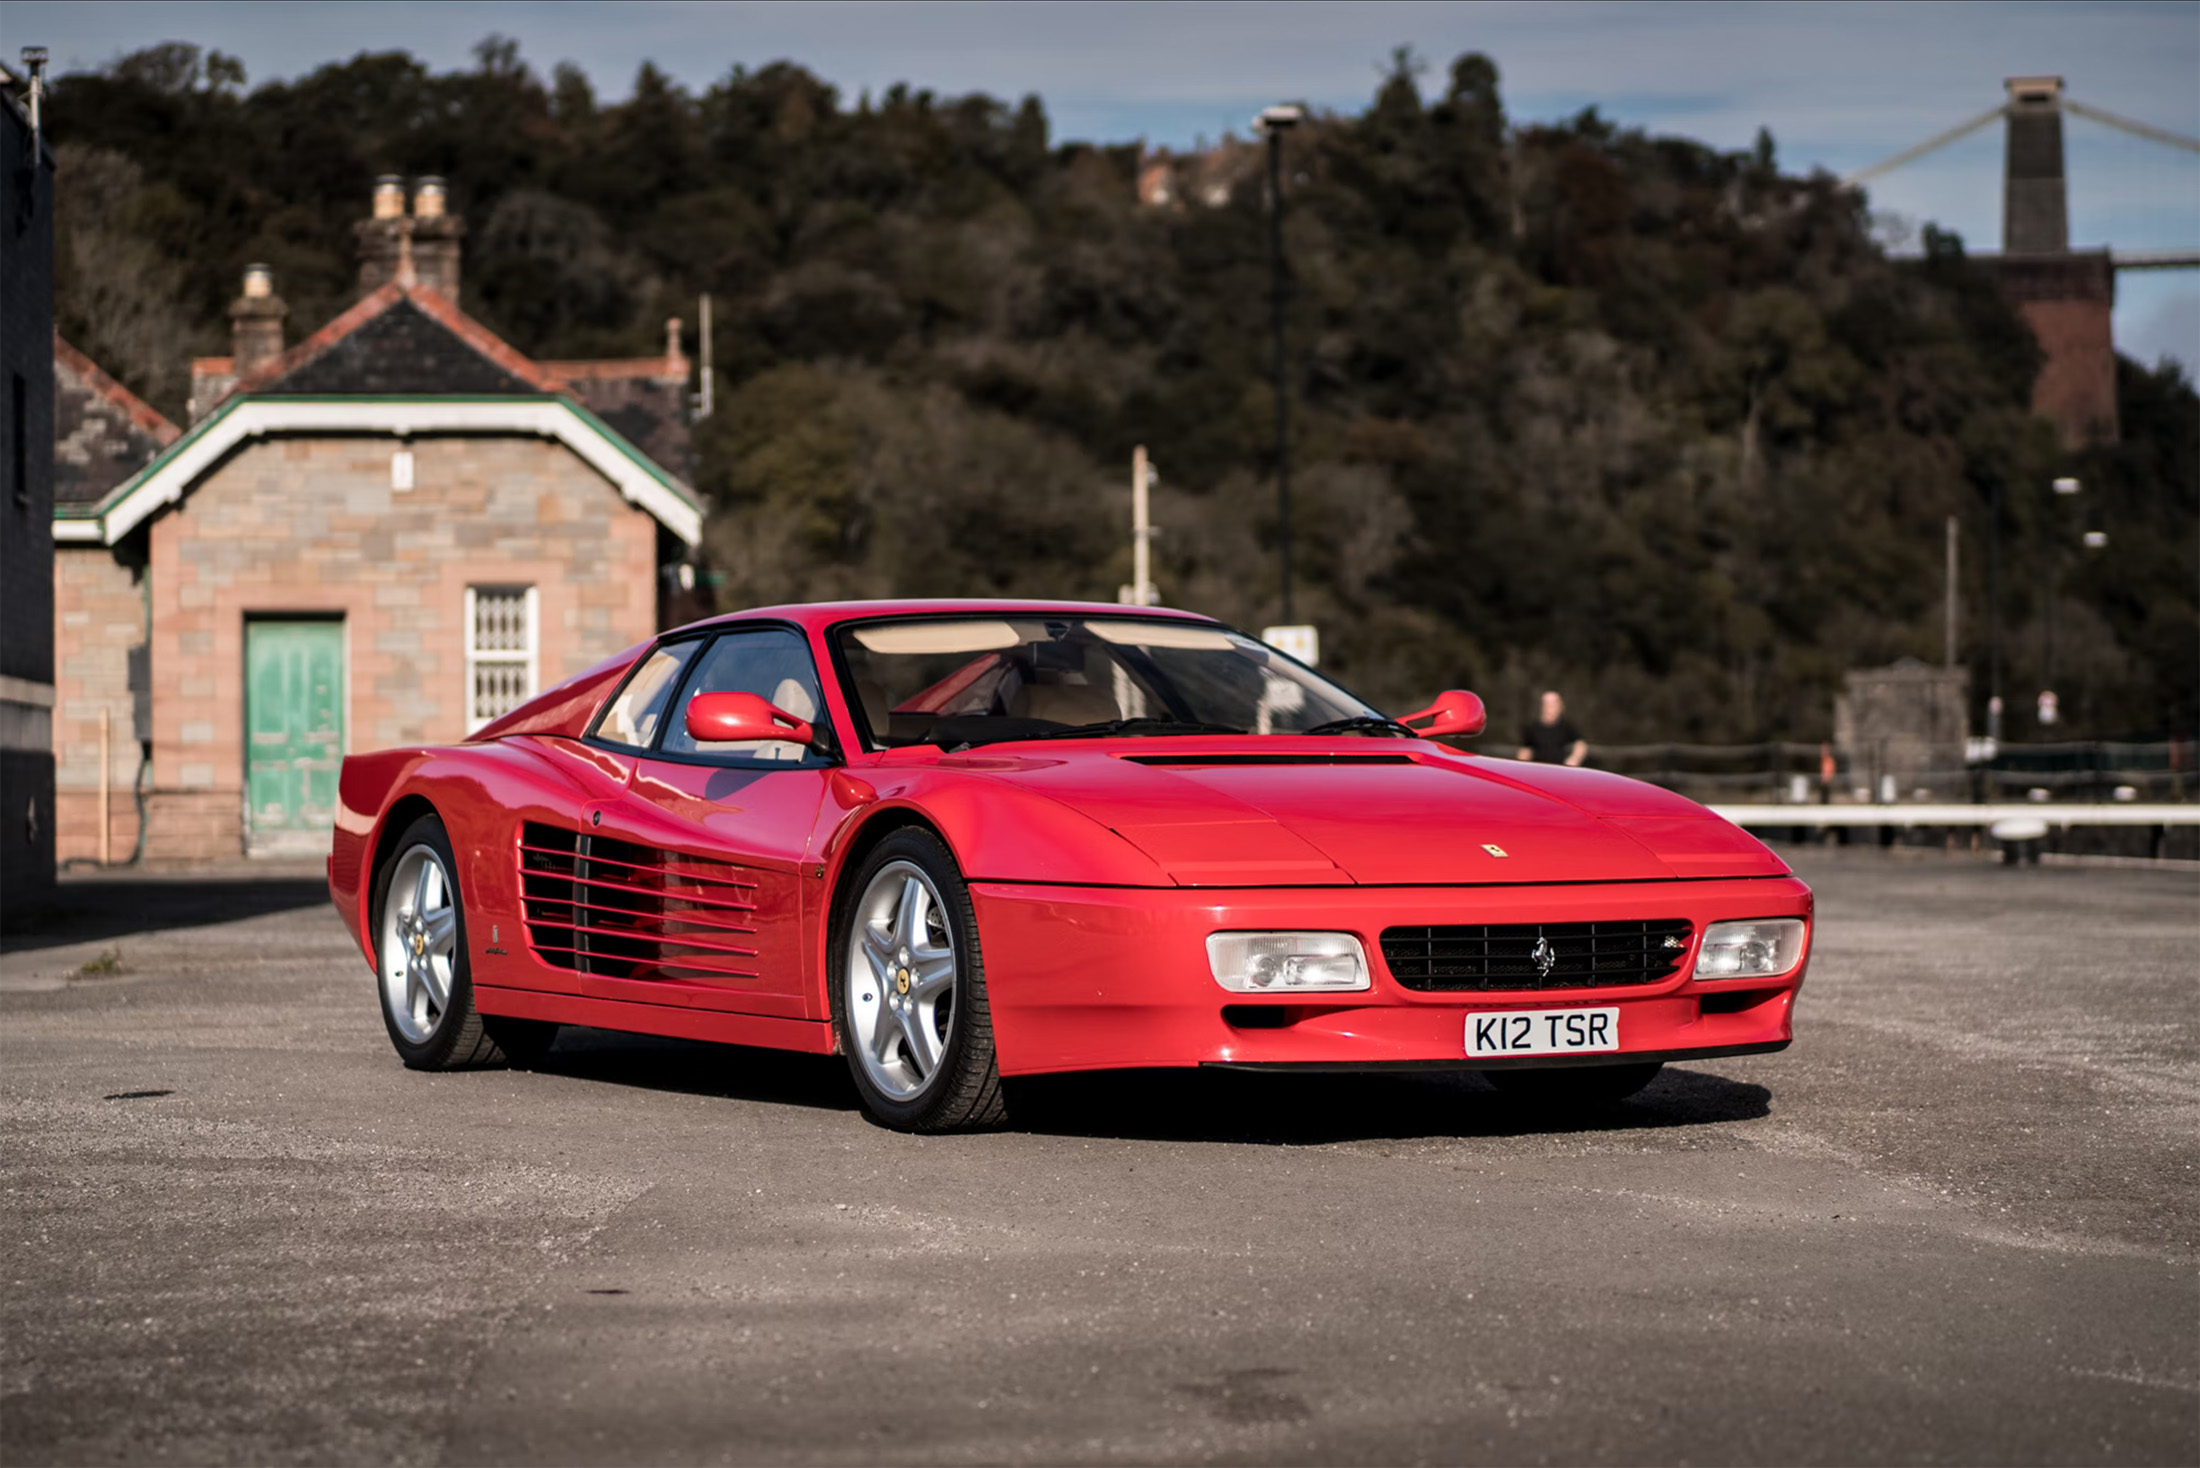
[(1142, 589), (1993, 616), (1276, 121), (2065, 488), (1948, 632), (703, 389)]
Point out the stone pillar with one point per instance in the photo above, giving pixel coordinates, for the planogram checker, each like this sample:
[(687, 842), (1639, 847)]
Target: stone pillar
[(2035, 206)]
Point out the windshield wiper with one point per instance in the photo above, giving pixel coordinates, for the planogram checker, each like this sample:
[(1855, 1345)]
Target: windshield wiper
[(1135, 727), (1364, 724)]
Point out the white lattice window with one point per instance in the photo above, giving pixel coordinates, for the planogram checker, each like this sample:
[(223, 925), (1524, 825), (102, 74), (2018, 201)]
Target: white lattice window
[(500, 651)]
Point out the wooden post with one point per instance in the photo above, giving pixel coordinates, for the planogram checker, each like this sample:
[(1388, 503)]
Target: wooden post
[(106, 825), (1948, 641), (1141, 529)]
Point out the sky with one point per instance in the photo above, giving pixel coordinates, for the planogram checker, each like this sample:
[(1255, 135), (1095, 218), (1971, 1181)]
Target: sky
[(1840, 86)]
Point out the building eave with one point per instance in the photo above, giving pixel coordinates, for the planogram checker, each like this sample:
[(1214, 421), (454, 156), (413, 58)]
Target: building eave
[(174, 472)]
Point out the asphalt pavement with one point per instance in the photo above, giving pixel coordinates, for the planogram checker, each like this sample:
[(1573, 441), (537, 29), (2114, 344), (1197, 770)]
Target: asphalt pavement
[(1955, 1223)]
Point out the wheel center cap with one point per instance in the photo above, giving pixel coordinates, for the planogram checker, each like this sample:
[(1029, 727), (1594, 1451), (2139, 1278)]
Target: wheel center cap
[(420, 943), (901, 980)]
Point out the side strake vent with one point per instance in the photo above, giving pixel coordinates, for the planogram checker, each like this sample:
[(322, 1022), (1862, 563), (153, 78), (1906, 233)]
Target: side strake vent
[(627, 911), (1267, 759)]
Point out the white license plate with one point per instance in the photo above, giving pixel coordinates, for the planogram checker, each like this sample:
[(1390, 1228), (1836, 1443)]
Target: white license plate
[(1542, 1031)]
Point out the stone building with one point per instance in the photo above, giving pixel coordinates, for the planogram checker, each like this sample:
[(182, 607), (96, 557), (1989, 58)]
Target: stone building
[(389, 533), (1901, 730), (26, 503)]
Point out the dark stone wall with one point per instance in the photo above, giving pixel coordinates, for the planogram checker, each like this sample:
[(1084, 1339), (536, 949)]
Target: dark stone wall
[(26, 517)]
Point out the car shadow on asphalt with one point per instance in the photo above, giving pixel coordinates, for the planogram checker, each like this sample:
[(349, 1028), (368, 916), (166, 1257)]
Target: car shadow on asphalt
[(1177, 1105), (100, 910), (694, 1068), (1314, 1110)]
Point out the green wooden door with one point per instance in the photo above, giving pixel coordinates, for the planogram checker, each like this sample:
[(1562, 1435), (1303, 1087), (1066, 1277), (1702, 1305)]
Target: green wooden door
[(294, 730)]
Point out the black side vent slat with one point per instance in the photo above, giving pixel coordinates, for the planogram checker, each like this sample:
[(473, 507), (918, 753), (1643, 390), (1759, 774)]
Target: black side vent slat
[(1482, 957), (622, 910)]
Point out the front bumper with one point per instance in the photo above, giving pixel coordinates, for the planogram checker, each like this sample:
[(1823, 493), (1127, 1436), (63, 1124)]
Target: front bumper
[(1094, 978)]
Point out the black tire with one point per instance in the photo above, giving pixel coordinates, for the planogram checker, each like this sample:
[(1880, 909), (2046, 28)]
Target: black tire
[(455, 1037), (1575, 1086), (963, 1092)]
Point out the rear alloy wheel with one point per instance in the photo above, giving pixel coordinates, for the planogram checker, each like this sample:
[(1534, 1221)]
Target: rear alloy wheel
[(909, 1000), (426, 988), (1575, 1086)]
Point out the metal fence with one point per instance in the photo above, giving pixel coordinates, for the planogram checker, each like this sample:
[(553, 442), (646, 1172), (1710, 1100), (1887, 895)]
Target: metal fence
[(1791, 773)]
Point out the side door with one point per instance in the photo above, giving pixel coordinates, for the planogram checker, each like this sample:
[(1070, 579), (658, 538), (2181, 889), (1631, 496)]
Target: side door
[(700, 865), (294, 732)]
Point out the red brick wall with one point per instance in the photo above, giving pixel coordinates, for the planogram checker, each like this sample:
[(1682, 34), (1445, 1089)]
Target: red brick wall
[(311, 525), (98, 617), (2076, 388)]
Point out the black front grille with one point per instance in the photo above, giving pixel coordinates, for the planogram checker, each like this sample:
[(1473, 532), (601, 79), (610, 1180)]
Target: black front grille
[(628, 911), (1484, 956)]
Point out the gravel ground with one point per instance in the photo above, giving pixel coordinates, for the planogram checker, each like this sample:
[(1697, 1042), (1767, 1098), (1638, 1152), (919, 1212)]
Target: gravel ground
[(1956, 1222)]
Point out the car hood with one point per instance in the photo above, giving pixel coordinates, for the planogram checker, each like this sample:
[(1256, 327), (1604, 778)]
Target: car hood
[(1397, 814)]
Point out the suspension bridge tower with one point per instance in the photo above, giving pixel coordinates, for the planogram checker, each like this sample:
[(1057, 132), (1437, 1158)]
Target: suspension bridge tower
[(2066, 296)]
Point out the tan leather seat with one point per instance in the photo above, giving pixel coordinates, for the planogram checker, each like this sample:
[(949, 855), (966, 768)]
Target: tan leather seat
[(1065, 703)]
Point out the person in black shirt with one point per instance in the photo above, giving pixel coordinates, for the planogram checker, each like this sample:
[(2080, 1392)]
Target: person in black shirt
[(1553, 739)]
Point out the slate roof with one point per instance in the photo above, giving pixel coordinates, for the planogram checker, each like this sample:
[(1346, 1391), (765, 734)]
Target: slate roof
[(646, 400), (103, 433), (400, 342)]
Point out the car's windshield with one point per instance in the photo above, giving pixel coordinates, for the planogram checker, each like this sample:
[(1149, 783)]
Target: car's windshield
[(956, 681)]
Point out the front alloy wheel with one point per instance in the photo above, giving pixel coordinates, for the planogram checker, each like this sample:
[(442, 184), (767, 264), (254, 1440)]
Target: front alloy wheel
[(909, 996)]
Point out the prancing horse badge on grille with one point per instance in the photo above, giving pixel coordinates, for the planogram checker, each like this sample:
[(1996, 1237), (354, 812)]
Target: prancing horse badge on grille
[(1545, 956)]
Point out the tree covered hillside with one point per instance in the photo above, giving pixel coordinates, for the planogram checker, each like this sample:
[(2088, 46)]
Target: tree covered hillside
[(1576, 406)]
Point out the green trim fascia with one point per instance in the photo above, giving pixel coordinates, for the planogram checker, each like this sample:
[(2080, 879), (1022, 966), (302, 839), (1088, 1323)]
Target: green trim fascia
[(616, 439)]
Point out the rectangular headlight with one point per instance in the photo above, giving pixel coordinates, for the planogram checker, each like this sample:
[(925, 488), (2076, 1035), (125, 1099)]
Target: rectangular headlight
[(1766, 948), (1287, 963)]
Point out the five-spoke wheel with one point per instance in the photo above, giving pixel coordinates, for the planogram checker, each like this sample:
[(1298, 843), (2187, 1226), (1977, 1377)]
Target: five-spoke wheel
[(419, 943), (909, 990), (901, 979)]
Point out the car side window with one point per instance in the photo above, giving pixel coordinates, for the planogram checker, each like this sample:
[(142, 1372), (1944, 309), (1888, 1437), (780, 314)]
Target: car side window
[(771, 662), (634, 715)]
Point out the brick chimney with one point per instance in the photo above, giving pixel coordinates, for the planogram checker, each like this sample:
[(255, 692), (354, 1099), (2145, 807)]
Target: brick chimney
[(381, 235), (435, 237), (256, 322)]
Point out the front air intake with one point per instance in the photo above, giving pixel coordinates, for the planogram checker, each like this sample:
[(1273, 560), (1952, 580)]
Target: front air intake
[(1535, 956), (622, 910)]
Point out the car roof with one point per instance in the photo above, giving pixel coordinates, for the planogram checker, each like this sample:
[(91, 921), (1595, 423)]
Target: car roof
[(819, 614)]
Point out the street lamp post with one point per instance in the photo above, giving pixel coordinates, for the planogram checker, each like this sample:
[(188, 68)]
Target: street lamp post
[(1993, 616), (2050, 704), (1275, 122)]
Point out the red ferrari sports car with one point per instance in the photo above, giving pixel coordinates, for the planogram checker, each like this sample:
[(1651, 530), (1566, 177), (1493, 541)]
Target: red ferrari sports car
[(961, 840)]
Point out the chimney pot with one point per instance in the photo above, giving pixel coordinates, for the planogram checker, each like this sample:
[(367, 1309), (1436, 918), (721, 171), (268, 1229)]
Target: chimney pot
[(428, 197), (389, 197), (256, 322)]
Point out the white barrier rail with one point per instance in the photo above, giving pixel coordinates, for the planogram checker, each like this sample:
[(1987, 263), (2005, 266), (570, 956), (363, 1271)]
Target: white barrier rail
[(2122, 813)]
